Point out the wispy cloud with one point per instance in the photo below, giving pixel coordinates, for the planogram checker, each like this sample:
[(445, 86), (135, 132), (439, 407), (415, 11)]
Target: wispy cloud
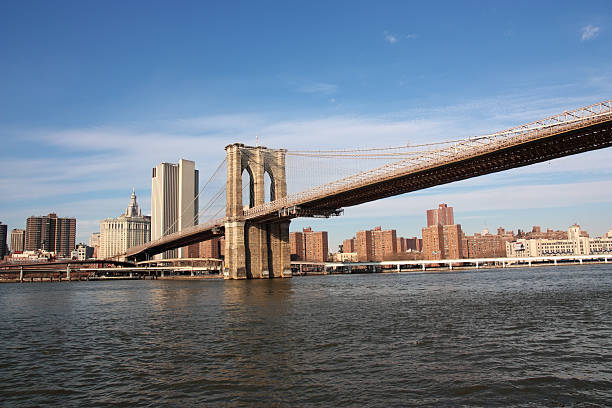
[(319, 88), (114, 158), (390, 38), (393, 38), (589, 32)]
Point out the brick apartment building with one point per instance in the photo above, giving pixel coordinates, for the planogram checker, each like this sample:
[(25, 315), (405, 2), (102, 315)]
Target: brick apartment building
[(309, 245), (376, 244), (442, 238)]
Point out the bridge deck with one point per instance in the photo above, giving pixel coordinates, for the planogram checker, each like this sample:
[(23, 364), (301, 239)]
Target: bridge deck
[(565, 134)]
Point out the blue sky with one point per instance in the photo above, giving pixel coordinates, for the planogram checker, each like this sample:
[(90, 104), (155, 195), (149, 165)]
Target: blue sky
[(94, 94)]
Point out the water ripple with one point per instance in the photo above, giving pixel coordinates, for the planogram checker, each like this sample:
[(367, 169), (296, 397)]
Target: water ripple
[(520, 337)]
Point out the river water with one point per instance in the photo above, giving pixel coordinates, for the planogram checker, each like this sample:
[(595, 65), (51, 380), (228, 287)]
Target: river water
[(512, 337)]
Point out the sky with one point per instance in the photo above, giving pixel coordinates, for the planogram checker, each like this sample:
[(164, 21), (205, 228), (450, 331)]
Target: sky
[(95, 94)]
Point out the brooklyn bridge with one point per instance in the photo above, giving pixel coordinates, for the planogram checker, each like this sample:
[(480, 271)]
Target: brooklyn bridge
[(257, 230)]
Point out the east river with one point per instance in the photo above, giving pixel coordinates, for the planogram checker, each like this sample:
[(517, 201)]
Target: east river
[(512, 337)]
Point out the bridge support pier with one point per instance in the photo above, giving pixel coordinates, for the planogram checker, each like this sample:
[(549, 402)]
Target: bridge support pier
[(253, 249), (235, 256), (257, 248)]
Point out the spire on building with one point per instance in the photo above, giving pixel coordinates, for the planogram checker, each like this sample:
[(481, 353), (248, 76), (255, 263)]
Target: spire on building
[(133, 210)]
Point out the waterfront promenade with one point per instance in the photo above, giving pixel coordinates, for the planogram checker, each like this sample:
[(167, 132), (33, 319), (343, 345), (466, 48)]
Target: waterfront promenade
[(64, 272), (450, 264)]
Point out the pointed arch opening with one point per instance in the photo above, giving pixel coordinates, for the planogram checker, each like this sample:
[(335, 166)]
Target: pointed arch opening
[(248, 194), (268, 187)]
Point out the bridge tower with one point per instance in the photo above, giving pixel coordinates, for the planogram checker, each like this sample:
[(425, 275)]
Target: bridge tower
[(255, 250)]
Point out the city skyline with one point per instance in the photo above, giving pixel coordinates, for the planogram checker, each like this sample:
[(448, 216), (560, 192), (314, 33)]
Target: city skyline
[(100, 126)]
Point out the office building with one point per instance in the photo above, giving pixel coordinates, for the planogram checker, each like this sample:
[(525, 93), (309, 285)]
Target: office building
[(3, 241), (174, 202), (129, 229), (17, 240), (50, 233)]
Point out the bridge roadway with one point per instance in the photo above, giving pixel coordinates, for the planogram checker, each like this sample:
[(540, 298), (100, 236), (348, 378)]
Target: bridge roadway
[(568, 133)]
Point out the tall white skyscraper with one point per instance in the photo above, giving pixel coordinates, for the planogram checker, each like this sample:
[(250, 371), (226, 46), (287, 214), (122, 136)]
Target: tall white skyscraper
[(174, 203)]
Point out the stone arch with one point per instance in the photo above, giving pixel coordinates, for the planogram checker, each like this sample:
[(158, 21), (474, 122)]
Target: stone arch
[(250, 197), (258, 161), (268, 187), (255, 250)]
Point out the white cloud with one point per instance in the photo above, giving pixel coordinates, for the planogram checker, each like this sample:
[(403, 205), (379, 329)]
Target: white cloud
[(589, 32), (109, 159), (319, 88), (393, 38), (390, 38)]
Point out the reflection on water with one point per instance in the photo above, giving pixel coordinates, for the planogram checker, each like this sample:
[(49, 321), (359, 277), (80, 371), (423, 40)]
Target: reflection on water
[(498, 337)]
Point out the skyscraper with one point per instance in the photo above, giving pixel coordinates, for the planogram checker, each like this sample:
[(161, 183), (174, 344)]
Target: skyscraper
[(129, 229), (3, 245), (174, 202), (51, 233)]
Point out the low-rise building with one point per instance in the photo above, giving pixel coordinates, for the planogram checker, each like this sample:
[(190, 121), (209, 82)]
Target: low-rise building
[(578, 243), (34, 256), (82, 252), (345, 257)]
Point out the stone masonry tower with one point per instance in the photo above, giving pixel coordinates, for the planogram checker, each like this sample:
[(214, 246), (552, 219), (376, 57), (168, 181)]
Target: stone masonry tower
[(252, 249)]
